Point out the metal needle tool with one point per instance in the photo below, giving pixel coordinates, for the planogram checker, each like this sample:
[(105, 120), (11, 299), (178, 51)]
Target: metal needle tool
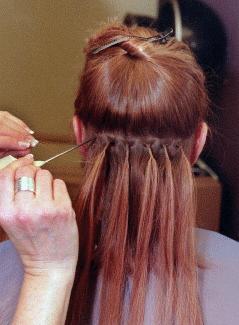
[(41, 163)]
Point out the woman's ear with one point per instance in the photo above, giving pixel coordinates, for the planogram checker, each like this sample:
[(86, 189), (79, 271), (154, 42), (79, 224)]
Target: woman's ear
[(79, 129), (199, 142)]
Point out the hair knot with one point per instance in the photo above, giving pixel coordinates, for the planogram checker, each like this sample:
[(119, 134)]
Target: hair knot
[(155, 144), (133, 50)]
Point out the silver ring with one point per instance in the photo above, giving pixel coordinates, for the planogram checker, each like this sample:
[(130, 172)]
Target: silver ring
[(25, 184)]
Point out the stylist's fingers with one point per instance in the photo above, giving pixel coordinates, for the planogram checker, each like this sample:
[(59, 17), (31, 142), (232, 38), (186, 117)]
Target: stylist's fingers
[(17, 147), (7, 180), (44, 181), (21, 123), (12, 143), (14, 135), (27, 160), (60, 192), (14, 153), (16, 120), (24, 196), (62, 199), (11, 128), (14, 127)]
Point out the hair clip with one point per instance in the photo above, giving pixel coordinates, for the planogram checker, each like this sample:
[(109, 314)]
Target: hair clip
[(162, 38), (112, 43)]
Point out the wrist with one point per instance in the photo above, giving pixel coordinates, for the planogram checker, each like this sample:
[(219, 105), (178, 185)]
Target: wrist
[(53, 276), (46, 295)]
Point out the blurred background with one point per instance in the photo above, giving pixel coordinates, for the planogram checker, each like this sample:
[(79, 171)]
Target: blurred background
[(40, 62)]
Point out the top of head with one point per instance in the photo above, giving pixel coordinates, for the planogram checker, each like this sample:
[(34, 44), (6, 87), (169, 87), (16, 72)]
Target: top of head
[(141, 88)]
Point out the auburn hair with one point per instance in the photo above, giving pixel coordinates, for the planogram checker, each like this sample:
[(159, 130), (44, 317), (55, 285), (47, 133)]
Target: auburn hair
[(142, 101)]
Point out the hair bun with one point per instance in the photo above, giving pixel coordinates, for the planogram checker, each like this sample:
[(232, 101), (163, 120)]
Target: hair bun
[(133, 50)]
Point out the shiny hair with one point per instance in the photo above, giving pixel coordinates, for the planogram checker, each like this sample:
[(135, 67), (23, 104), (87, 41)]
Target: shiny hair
[(143, 101)]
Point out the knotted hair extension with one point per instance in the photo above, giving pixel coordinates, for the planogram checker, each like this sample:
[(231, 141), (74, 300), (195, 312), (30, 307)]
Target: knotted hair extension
[(132, 240), (88, 206), (174, 243), (113, 239), (142, 253), (186, 260), (163, 249)]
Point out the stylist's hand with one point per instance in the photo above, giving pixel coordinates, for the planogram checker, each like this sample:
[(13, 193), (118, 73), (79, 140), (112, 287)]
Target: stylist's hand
[(42, 226), (15, 136)]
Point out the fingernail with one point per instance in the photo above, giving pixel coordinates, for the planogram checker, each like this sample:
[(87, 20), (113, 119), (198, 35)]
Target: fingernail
[(34, 142), (24, 144), (29, 131), (29, 156)]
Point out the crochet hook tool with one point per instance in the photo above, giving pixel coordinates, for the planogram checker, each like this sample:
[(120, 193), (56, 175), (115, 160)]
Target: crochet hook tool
[(39, 163)]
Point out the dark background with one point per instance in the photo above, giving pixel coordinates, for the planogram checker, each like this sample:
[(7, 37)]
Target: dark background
[(224, 150)]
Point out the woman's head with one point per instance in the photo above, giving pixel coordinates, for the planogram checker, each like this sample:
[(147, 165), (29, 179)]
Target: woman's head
[(139, 89), (145, 103)]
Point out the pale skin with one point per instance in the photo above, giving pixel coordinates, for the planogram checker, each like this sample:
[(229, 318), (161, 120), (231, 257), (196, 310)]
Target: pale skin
[(15, 136), (44, 234), (43, 228)]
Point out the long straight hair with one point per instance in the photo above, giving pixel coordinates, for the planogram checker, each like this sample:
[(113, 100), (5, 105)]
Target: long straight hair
[(136, 209)]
